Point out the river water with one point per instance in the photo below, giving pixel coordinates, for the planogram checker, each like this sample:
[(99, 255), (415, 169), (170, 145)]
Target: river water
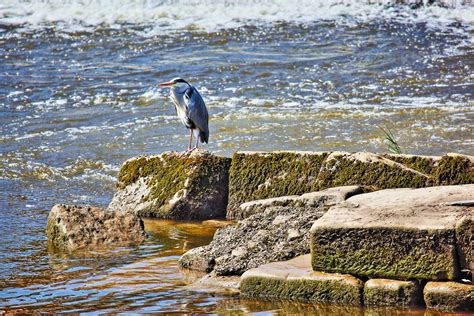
[(79, 95)]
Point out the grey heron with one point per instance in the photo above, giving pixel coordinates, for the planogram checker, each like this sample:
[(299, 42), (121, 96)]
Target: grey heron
[(190, 108)]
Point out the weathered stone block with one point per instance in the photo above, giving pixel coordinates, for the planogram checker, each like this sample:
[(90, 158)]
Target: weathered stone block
[(295, 280), (262, 175), (454, 169), (370, 170), (449, 169), (385, 292), (173, 185), (74, 227), (329, 197), (423, 164), (449, 296), (397, 234), (276, 232)]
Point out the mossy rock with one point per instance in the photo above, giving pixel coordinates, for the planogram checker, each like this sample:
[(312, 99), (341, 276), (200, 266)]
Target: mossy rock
[(454, 169), (372, 171), (449, 296), (75, 227), (397, 234), (449, 169), (173, 185), (376, 252), (423, 164), (262, 175), (386, 292), (295, 280)]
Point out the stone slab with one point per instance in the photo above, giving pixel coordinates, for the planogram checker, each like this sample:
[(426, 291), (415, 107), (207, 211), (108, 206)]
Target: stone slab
[(449, 296), (263, 175), (386, 292), (396, 234), (295, 280)]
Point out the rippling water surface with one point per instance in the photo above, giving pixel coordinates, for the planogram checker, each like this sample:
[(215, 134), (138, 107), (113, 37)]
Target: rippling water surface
[(78, 96)]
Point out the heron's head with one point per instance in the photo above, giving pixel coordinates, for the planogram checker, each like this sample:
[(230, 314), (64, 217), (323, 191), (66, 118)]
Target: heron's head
[(176, 84)]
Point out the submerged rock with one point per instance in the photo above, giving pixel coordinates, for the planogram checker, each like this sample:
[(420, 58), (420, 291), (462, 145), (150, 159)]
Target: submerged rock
[(399, 233), (174, 185), (215, 284), (449, 296), (294, 279), (276, 232), (75, 227)]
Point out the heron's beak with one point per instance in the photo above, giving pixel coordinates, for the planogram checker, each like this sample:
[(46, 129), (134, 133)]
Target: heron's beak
[(166, 84)]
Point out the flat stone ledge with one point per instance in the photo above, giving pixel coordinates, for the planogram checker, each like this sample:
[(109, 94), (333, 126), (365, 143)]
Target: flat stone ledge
[(295, 280), (397, 234), (329, 197), (449, 296), (385, 292)]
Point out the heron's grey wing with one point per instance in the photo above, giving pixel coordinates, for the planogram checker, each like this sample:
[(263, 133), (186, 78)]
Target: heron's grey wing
[(197, 111)]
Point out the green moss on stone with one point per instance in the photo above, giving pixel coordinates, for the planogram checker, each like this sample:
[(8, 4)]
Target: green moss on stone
[(465, 240), (342, 171), (449, 296), (260, 176), (169, 173), (454, 170), (380, 292), (422, 164), (385, 253), (57, 239), (304, 290)]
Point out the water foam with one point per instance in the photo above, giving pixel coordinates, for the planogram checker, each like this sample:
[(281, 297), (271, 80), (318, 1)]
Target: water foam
[(163, 16)]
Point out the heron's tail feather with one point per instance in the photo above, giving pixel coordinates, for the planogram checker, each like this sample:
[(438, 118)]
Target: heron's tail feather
[(204, 136)]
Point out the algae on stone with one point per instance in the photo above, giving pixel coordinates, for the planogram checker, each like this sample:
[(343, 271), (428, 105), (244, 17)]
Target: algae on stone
[(455, 169), (450, 169), (295, 280), (449, 296), (423, 164), (465, 242), (386, 292), (397, 233), (390, 253), (188, 185), (260, 175), (370, 170)]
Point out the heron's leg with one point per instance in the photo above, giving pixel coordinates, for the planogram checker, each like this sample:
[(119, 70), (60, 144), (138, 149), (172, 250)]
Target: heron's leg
[(190, 138), (197, 142)]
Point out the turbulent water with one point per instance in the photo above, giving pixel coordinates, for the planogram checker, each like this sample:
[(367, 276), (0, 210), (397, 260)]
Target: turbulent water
[(79, 95)]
